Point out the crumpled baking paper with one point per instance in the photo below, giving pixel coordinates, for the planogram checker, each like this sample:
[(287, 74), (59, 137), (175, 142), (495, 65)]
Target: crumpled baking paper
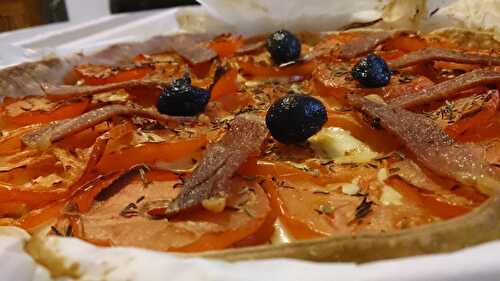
[(257, 16), (249, 17)]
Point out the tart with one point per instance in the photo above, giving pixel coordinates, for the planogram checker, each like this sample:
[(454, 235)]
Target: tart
[(339, 146)]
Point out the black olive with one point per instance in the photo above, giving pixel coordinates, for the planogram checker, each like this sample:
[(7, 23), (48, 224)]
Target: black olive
[(283, 46), (372, 71), (294, 118), (182, 99)]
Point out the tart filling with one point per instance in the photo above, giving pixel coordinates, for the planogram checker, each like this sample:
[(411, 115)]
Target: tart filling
[(221, 143)]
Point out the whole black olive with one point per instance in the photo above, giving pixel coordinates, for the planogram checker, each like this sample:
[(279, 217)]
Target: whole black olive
[(283, 46), (294, 118), (372, 71), (182, 99)]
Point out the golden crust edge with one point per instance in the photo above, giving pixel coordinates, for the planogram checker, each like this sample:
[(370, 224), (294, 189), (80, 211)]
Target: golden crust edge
[(479, 226)]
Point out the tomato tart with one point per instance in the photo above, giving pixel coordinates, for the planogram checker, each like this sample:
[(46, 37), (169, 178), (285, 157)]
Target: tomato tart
[(336, 146)]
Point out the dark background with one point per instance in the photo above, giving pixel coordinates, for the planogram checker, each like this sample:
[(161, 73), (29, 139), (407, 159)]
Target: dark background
[(15, 14)]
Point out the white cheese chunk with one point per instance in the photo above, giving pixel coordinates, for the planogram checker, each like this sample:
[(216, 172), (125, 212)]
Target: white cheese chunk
[(339, 145), (390, 196), (350, 188)]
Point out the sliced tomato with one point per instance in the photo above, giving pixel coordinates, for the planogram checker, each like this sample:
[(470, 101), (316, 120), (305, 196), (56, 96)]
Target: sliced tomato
[(200, 70), (488, 130), (62, 112), (239, 225), (260, 71), (305, 213), (415, 85), (83, 139), (430, 202), (38, 196), (479, 119), (266, 230), (41, 216), (12, 209), (226, 46), (336, 81), (84, 198), (226, 85), (120, 136), (405, 43), (196, 230), (102, 74), (149, 153), (12, 142)]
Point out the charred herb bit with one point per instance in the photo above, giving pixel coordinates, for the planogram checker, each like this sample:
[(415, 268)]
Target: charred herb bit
[(433, 12), (142, 174), (129, 211), (375, 123), (394, 170), (340, 70), (326, 163), (363, 209), (139, 200), (431, 115), (383, 157), (371, 165), (250, 214), (324, 209), (248, 109), (246, 190), (249, 178), (232, 208), (360, 24), (495, 165), (178, 185), (285, 185), (69, 230), (350, 165), (448, 111), (406, 78), (55, 231), (342, 109), (321, 191)]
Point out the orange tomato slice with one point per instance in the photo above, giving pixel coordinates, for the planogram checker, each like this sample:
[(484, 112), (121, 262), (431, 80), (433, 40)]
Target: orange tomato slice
[(40, 117), (97, 74), (226, 46), (259, 71), (486, 114), (149, 153), (226, 85)]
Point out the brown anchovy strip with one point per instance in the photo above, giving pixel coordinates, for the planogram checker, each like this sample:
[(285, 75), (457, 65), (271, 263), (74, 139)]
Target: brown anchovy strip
[(354, 48), (25, 79), (66, 90), (250, 47), (432, 146), (212, 176), (195, 51), (432, 54), (59, 129), (364, 44), (448, 88)]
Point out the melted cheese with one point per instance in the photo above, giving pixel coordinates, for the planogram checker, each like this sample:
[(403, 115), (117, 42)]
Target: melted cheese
[(339, 145), (280, 235), (389, 195)]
